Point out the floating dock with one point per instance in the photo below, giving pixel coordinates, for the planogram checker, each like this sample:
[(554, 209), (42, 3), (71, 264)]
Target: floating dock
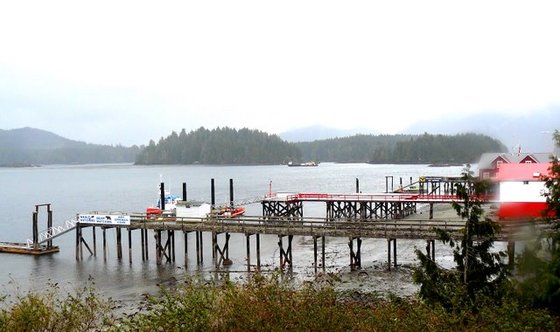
[(24, 248)]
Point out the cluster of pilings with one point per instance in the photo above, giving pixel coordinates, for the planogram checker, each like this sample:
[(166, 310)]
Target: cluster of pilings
[(165, 246)]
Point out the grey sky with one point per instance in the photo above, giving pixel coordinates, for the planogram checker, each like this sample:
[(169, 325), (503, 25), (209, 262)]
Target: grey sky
[(129, 71)]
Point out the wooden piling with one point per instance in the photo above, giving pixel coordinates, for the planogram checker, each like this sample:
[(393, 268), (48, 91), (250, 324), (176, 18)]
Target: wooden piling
[(35, 228), (158, 246), (355, 255), (94, 242), (119, 243), (248, 248), (389, 254), (142, 244), (162, 196), (186, 248), (231, 193), (104, 244), (146, 244), (212, 194), (77, 239), (49, 225), (258, 252), (130, 245)]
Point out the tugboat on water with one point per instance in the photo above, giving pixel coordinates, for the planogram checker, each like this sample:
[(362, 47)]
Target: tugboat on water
[(306, 164)]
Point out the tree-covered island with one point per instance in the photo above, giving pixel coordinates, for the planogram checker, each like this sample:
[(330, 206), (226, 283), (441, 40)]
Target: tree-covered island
[(227, 146)]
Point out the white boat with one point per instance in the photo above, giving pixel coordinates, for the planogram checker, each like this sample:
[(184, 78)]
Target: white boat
[(192, 209)]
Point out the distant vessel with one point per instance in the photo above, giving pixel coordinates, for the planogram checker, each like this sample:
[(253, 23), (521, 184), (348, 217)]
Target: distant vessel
[(306, 164)]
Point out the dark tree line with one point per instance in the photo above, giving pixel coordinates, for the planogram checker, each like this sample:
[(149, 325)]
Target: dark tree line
[(462, 148), (244, 146), (219, 146)]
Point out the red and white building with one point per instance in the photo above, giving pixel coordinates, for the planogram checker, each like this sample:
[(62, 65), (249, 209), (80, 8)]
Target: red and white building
[(521, 190), (520, 186)]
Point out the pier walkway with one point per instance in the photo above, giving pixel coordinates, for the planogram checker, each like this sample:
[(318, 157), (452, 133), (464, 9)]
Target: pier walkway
[(421, 227)]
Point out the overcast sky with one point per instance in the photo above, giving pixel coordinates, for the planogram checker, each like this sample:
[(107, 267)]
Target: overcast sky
[(128, 71)]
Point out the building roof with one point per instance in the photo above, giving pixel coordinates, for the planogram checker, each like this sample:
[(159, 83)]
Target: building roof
[(486, 159), (522, 172)]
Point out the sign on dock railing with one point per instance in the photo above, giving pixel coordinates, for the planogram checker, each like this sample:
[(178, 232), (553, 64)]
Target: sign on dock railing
[(104, 219)]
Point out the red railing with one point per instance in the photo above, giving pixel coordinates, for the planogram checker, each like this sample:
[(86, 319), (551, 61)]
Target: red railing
[(372, 197)]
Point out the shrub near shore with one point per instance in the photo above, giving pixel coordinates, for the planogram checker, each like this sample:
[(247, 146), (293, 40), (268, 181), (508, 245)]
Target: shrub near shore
[(262, 303)]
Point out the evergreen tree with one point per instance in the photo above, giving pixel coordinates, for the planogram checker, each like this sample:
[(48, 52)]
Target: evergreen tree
[(479, 273)]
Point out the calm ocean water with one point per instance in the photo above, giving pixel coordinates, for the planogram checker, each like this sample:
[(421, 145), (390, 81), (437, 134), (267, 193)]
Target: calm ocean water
[(128, 188)]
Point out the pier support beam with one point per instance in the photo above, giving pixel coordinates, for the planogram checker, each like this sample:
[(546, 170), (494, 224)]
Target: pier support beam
[(222, 253), (199, 252), (166, 250), (322, 252), (80, 243), (94, 242), (431, 249), (258, 250), (104, 243), (129, 245), (78, 229), (144, 243), (389, 242), (286, 257), (119, 243), (355, 255)]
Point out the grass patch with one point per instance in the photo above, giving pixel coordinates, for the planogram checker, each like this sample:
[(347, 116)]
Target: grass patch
[(262, 303)]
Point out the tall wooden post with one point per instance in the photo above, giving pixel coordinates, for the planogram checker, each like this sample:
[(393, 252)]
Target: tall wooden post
[(130, 246), (231, 193), (49, 225), (119, 243), (162, 196)]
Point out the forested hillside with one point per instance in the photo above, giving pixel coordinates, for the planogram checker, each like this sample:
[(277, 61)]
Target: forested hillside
[(227, 146), (425, 148), (219, 146), (29, 146)]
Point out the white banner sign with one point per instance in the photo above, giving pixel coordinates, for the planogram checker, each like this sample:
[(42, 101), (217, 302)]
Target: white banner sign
[(104, 219)]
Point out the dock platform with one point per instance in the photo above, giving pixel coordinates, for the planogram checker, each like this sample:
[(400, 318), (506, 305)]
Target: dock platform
[(24, 249)]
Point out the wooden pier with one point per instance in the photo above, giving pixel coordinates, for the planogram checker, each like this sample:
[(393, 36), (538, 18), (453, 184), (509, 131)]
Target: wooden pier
[(164, 230), (409, 212), (354, 216)]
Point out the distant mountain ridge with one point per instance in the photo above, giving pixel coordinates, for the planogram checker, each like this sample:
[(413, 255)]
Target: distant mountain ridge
[(30, 146), (316, 133), (30, 138), (531, 132)]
